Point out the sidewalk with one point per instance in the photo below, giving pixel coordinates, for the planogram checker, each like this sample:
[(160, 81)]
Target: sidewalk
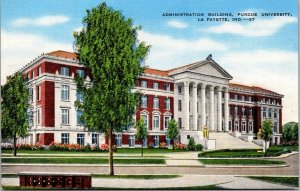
[(228, 182)]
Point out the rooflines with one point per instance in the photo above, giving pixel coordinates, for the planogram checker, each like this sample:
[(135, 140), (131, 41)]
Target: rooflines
[(253, 89)]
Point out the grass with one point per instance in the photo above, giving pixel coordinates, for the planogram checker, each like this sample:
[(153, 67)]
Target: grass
[(86, 156), (126, 176), (82, 161), (289, 181), (239, 162), (208, 187)]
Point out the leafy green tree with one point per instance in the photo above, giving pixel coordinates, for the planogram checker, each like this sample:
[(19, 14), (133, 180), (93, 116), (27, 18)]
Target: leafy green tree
[(191, 145), (141, 132), (173, 131), (108, 47), (15, 97), (265, 132), (290, 132)]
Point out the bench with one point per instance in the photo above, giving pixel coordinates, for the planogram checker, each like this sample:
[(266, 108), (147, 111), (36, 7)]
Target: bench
[(56, 180)]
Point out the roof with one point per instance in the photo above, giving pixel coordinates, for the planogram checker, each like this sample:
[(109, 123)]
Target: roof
[(256, 89), (156, 72), (63, 54)]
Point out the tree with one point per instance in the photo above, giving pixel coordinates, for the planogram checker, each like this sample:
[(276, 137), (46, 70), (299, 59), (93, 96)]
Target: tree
[(173, 131), (290, 132), (142, 132), (108, 47), (15, 97), (265, 132)]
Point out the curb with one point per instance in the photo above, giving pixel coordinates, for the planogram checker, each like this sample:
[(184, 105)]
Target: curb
[(82, 165), (247, 166)]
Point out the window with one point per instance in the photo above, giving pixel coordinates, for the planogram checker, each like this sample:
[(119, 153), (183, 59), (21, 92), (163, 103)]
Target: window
[(38, 116), (250, 99), (243, 98), (167, 103), (180, 89), (263, 100), (179, 123), (155, 85), (155, 102), (155, 122), (236, 125), (119, 140), (235, 96), (79, 96), (145, 118), (64, 71), (167, 87), (65, 116), (145, 141), (275, 127), (243, 125), (95, 139), (65, 93), (270, 113), (264, 112), (80, 73), (39, 92), (65, 138), (78, 117), (250, 111), (144, 101), (168, 141), (275, 114), (80, 139), (243, 111), (131, 140), (144, 84), (236, 109), (269, 101), (250, 126), (167, 120), (179, 105), (38, 137), (39, 72), (229, 125), (156, 140)]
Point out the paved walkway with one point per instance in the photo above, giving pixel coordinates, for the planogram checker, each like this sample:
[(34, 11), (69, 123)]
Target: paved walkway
[(228, 182)]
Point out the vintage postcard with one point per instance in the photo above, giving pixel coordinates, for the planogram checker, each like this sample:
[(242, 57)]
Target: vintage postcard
[(129, 94)]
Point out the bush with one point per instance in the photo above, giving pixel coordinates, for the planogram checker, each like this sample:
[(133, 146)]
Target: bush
[(7, 146), (29, 146), (180, 146), (162, 145), (192, 145), (199, 147), (150, 145)]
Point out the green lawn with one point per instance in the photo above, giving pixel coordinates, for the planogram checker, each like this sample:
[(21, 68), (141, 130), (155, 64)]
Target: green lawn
[(239, 162), (289, 181), (82, 160), (208, 187), (82, 156)]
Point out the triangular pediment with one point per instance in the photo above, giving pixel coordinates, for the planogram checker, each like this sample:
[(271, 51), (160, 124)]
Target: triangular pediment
[(209, 67)]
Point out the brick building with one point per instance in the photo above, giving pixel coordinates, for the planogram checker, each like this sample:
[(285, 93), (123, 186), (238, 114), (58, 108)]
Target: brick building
[(197, 95)]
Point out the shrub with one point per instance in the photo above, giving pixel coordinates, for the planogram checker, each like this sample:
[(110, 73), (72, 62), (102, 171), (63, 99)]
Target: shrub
[(180, 146), (104, 147), (36, 146), (199, 147), (7, 146), (162, 145), (150, 145), (192, 145)]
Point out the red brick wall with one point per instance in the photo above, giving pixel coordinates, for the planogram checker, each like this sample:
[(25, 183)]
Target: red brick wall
[(47, 102), (161, 84), (46, 138)]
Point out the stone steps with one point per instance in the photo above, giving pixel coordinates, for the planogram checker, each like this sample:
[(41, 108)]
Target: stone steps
[(227, 141)]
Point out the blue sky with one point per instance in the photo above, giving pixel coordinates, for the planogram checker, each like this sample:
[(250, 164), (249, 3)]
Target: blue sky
[(261, 53)]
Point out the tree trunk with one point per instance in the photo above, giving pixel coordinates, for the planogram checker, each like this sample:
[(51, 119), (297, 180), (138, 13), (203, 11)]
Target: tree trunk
[(111, 159), (15, 145), (173, 145), (265, 148), (142, 149)]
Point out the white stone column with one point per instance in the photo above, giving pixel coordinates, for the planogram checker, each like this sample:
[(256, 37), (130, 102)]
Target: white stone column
[(226, 110), (203, 112), (219, 109), (211, 110), (194, 106), (176, 102), (186, 106)]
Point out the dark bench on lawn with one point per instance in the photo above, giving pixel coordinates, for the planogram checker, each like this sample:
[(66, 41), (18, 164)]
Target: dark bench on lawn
[(56, 180)]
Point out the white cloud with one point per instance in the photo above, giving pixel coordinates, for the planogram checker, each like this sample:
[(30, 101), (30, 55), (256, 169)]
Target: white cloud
[(17, 49), (177, 24), (41, 21), (259, 27), (167, 52), (271, 69)]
